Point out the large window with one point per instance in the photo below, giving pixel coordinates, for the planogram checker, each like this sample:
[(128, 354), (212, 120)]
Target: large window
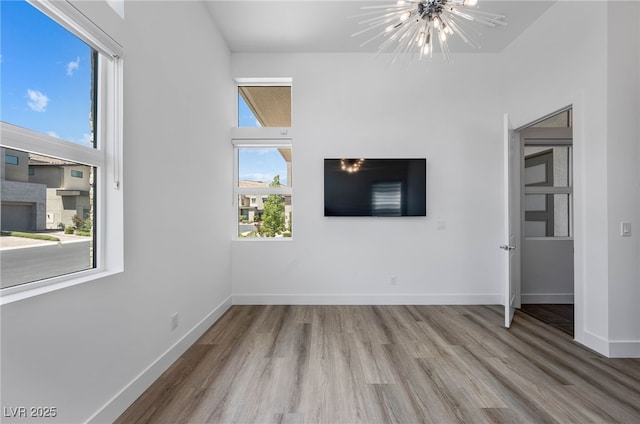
[(263, 185), (61, 112)]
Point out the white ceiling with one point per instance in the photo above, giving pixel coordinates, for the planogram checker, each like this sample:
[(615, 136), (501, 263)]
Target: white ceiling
[(326, 25)]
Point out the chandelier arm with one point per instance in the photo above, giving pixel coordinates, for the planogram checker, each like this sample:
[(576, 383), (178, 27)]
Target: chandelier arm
[(444, 48), (370, 27), (397, 35), (384, 18), (478, 12), (461, 33), (480, 19), (412, 39), (397, 51), (466, 25), (386, 6)]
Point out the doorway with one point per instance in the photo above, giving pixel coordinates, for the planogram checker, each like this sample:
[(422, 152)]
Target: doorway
[(547, 263)]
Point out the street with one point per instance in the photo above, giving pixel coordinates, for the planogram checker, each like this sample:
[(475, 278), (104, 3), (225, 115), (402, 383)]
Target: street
[(27, 264)]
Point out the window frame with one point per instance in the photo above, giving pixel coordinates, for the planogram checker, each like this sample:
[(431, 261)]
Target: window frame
[(105, 156), (258, 192), (260, 137), (17, 160)]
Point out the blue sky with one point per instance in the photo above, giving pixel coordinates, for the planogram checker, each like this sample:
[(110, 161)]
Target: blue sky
[(45, 74), (261, 164), (258, 164)]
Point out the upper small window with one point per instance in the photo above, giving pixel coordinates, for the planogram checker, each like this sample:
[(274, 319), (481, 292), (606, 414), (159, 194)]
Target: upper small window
[(264, 106), (11, 160), (76, 174)]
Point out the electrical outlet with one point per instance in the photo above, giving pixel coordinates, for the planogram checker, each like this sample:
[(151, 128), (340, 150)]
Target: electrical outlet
[(394, 280), (174, 321)]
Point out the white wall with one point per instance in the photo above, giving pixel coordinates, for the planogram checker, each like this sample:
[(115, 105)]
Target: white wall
[(98, 345), (350, 105), (547, 271), (623, 177), (564, 59)]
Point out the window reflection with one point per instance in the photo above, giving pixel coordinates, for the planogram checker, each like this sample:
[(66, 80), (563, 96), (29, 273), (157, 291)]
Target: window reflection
[(386, 198)]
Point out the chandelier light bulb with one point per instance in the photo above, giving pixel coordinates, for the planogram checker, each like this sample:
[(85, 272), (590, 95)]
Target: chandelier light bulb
[(408, 25)]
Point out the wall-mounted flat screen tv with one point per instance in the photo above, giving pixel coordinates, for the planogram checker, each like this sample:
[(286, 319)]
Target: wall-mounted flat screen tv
[(375, 187)]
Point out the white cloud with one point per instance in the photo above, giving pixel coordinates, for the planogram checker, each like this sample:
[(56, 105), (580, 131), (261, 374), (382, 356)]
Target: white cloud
[(86, 140), (37, 101), (53, 134), (72, 66)]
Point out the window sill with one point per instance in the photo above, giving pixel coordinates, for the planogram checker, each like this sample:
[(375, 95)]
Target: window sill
[(37, 288)]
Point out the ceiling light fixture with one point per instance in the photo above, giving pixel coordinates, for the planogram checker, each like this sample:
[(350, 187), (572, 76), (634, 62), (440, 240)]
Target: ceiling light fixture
[(413, 26)]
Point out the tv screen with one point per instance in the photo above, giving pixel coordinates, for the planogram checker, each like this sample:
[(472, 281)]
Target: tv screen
[(375, 187)]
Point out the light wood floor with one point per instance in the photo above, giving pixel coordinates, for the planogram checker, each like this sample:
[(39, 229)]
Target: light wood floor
[(386, 364)]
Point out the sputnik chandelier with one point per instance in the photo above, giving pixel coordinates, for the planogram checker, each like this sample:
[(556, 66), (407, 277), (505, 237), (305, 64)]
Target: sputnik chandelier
[(411, 26)]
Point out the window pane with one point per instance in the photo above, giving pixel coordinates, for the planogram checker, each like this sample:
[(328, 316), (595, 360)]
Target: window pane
[(264, 166), (47, 219), (547, 166), (47, 75), (260, 106), (264, 215), (547, 215)]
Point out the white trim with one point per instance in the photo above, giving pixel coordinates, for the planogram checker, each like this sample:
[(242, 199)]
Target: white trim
[(624, 349), (551, 298), (367, 299), (261, 135), (264, 82), (17, 138), (595, 342), (611, 348), (72, 19), (123, 399), (37, 288)]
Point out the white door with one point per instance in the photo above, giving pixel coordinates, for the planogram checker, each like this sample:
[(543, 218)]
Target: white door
[(511, 260)]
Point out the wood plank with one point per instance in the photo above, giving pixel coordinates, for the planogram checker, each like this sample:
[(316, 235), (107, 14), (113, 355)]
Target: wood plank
[(384, 364)]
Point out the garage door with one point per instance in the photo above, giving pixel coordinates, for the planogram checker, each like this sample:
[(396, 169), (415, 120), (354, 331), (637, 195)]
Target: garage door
[(18, 217)]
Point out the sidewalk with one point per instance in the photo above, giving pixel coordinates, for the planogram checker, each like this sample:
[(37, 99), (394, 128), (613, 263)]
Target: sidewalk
[(10, 242)]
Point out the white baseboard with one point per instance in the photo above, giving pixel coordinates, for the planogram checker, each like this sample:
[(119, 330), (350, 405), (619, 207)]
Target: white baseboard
[(597, 343), (550, 298), (121, 401), (624, 349), (612, 348), (367, 299)]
